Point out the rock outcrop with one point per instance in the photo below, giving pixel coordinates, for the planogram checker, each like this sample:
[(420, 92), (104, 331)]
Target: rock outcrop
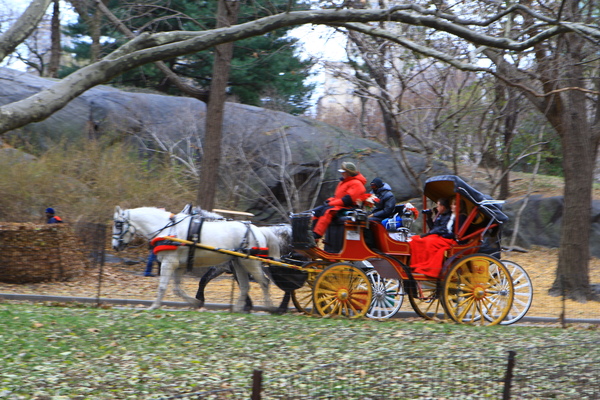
[(263, 150), (541, 220)]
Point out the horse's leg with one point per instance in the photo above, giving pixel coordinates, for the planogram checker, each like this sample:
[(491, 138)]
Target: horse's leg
[(167, 265), (243, 280), (248, 304), (211, 274), (243, 283), (254, 267), (177, 274), (285, 303)]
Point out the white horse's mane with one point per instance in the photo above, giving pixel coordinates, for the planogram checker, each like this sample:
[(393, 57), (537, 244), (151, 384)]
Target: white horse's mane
[(212, 216)]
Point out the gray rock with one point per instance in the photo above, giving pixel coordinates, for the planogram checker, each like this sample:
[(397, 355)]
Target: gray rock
[(541, 222), (268, 139)]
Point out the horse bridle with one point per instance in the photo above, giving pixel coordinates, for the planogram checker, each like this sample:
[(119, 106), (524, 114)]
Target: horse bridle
[(122, 227)]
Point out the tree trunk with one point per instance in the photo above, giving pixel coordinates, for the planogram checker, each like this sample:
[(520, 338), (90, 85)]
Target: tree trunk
[(579, 153), (55, 39), (227, 14), (95, 33), (578, 130), (510, 115)]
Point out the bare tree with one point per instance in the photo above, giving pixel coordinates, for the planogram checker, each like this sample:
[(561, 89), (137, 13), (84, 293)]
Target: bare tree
[(262, 175)]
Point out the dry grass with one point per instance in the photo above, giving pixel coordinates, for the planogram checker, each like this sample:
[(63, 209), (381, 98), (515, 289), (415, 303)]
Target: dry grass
[(85, 182), (540, 264)]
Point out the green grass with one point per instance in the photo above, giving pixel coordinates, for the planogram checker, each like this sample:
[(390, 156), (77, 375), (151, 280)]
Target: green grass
[(89, 353)]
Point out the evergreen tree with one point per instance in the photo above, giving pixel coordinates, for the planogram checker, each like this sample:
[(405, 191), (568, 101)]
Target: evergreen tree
[(265, 70)]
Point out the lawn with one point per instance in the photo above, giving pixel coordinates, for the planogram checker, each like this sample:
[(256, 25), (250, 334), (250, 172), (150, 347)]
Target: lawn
[(52, 351)]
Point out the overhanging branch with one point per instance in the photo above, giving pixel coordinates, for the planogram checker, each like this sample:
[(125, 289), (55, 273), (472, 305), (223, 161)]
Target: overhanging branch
[(148, 48)]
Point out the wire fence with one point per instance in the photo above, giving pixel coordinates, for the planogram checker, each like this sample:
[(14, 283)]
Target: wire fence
[(561, 371), (67, 256), (572, 371), (71, 260)]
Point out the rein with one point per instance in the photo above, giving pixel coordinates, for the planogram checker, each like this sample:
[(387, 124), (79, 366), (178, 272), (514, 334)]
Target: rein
[(169, 224), (126, 221)]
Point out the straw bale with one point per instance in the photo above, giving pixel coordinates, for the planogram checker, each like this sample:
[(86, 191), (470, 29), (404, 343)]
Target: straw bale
[(32, 253)]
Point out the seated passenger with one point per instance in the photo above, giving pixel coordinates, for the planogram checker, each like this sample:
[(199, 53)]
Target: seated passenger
[(427, 251), (348, 193), (384, 208)]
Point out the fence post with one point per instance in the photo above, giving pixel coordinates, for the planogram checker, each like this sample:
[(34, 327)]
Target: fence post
[(509, 374), (256, 384), (563, 312), (98, 245)]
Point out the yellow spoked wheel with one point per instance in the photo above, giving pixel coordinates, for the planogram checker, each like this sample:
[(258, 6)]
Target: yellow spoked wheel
[(342, 290), (425, 300), (478, 290), (303, 297)]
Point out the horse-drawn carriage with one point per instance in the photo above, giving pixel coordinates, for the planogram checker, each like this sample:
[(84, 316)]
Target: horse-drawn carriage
[(370, 273), (365, 269)]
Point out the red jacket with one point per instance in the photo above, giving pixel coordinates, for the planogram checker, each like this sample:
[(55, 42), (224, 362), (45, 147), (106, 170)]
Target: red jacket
[(349, 191)]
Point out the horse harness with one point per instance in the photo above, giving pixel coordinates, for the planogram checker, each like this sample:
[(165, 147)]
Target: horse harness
[(162, 243)]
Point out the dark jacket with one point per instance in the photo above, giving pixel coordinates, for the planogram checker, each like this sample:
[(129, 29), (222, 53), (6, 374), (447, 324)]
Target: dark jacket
[(439, 226), (387, 202)]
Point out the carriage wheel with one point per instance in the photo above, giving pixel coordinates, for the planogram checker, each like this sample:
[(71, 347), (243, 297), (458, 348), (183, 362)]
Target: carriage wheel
[(523, 293), (303, 297), (388, 295), (478, 289), (344, 290), (425, 300)]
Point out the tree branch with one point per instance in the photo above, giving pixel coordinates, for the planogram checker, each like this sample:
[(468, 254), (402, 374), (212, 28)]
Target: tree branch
[(23, 28), (148, 48), (172, 76)]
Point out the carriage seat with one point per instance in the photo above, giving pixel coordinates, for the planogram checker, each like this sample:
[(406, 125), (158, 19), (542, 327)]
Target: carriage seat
[(349, 214), (334, 236)]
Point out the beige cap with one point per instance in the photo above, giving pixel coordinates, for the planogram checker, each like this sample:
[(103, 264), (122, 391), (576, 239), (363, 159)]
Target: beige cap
[(349, 168)]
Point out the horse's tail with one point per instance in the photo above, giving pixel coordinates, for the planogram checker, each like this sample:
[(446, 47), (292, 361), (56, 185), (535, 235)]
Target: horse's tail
[(279, 236)]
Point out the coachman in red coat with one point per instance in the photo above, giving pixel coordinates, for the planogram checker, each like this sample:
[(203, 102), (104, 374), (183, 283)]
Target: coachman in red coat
[(348, 193)]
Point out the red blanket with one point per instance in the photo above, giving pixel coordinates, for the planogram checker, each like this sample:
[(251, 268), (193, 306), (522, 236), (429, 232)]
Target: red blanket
[(427, 254)]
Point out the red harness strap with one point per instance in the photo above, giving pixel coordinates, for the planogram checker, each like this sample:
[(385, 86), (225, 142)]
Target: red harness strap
[(163, 244), (259, 252)]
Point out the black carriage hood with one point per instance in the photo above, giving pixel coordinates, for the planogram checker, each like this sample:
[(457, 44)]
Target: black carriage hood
[(444, 186)]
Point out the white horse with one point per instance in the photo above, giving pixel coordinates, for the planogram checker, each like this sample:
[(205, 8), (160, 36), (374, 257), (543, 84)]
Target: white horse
[(279, 242), (151, 222)]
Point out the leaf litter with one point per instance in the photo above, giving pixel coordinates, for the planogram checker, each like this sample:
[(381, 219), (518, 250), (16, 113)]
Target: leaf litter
[(124, 354)]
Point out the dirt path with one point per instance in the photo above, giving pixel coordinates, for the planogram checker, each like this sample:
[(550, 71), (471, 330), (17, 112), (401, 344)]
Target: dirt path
[(126, 281)]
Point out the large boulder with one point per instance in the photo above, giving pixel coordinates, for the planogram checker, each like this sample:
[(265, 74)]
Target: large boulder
[(541, 220), (269, 159)]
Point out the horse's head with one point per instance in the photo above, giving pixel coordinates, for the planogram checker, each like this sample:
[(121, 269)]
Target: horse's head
[(123, 231)]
